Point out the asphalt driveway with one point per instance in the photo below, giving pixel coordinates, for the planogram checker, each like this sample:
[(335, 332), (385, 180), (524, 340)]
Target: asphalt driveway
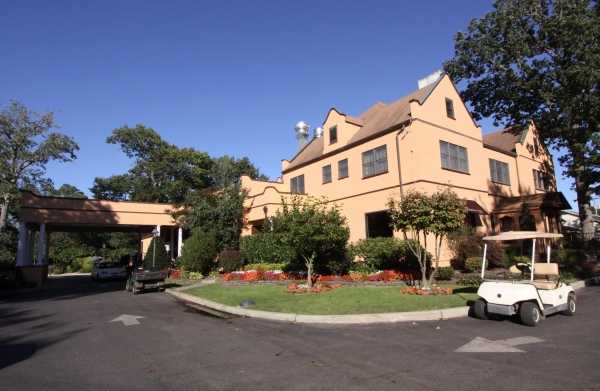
[(61, 338)]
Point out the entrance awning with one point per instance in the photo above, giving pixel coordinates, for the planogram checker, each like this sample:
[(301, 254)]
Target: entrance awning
[(474, 207), (550, 200)]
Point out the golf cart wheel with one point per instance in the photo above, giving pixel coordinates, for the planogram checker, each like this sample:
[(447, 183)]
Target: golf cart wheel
[(480, 309), (530, 314), (571, 305)]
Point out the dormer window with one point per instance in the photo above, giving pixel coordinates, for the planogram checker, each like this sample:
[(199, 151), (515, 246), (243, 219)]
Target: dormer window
[(450, 108), (333, 135)]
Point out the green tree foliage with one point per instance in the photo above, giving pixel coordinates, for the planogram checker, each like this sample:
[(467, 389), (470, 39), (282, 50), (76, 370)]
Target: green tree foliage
[(422, 217), (226, 171), (162, 172), (384, 253), (200, 251), (220, 210), (156, 257), (540, 60), (316, 233), (27, 144), (266, 247)]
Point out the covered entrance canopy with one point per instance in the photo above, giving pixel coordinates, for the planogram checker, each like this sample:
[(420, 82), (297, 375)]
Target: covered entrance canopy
[(46, 214)]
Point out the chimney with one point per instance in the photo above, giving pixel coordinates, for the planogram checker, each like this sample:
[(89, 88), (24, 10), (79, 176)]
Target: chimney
[(318, 132), (302, 129)]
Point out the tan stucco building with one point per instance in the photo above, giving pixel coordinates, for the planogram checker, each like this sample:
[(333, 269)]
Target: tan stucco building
[(425, 141)]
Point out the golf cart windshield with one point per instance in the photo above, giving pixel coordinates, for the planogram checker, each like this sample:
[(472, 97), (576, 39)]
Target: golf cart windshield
[(520, 235)]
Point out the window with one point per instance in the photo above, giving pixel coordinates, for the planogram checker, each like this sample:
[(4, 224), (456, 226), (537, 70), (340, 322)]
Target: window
[(450, 108), (333, 135), (499, 172), (378, 225), (374, 161), (540, 180), (343, 169), (327, 173), (454, 157), (506, 224), (297, 184)]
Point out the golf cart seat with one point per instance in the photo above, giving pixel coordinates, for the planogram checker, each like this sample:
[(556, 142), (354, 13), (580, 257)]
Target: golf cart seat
[(546, 275)]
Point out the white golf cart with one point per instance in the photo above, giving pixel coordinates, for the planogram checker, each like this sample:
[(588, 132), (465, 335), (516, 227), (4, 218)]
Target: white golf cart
[(543, 293)]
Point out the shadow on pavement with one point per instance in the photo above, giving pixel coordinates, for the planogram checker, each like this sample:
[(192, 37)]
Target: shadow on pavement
[(63, 288)]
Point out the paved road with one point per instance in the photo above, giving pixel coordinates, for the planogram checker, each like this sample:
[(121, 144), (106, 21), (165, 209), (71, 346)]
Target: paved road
[(61, 339)]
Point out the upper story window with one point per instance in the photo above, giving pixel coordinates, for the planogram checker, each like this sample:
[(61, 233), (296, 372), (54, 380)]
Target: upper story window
[(540, 179), (374, 161), (333, 135), (297, 184), (499, 172), (450, 108), (327, 173), (343, 169), (454, 157)]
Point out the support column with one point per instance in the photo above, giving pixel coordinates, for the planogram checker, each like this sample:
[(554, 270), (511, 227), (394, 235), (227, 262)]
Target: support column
[(172, 243), (42, 258), (30, 240), (22, 245), (179, 241)]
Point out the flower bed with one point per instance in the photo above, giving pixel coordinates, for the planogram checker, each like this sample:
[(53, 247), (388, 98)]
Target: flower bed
[(381, 276), (434, 291), (317, 288)]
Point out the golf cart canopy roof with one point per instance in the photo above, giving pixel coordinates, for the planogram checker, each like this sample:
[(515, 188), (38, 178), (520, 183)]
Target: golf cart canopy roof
[(520, 235)]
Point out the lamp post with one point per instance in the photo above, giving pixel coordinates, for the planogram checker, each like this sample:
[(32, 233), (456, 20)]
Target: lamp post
[(155, 235)]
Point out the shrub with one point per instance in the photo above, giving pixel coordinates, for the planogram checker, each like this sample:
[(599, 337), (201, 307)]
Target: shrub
[(471, 281), (574, 262), (86, 265), (467, 243), (230, 260), (384, 253), (362, 267), (473, 264), (444, 273), (265, 267), (265, 248), (156, 257), (199, 252)]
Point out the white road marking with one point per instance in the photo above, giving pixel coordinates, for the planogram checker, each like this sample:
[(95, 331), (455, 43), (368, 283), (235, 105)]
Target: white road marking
[(483, 345), (128, 320)]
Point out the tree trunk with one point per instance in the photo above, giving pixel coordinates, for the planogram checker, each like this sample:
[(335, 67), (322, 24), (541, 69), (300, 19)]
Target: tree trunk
[(310, 261), (3, 212), (585, 210)]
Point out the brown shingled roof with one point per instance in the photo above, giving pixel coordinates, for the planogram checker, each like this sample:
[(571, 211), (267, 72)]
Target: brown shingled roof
[(376, 119), (503, 140)]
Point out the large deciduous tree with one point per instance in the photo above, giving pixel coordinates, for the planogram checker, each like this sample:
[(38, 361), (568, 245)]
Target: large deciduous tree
[(162, 172), (27, 144), (540, 60)]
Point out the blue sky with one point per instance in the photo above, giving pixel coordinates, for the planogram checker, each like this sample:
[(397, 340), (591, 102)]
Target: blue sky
[(226, 77)]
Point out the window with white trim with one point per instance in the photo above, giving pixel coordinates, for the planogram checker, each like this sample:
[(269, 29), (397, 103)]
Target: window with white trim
[(297, 184), (499, 172), (327, 173)]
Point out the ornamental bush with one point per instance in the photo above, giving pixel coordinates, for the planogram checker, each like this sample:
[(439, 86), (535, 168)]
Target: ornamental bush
[(199, 252), (230, 260), (473, 264), (156, 257), (384, 254), (265, 247), (264, 267), (444, 273)]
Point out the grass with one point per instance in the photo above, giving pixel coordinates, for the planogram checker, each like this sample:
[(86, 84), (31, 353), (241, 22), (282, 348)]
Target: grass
[(344, 300)]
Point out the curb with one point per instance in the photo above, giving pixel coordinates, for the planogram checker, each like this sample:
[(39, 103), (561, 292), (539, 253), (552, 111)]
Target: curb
[(388, 317)]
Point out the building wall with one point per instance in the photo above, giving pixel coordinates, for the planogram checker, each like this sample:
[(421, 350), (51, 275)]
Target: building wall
[(417, 166)]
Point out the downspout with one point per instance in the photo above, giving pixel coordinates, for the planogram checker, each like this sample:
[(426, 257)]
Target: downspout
[(398, 158)]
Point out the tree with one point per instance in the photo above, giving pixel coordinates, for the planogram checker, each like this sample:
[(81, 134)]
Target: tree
[(226, 171), (200, 251), (316, 233), (540, 60), (156, 257), (27, 144), (218, 210), (162, 172), (421, 217)]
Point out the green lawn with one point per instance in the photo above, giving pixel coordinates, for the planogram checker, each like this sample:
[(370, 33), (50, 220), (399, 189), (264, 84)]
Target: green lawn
[(344, 300)]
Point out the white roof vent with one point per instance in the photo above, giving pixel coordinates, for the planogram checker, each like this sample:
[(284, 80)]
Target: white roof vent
[(430, 79), (302, 129), (318, 132)]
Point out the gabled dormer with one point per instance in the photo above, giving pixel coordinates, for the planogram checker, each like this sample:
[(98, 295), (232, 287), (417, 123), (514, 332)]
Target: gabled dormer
[(338, 129)]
